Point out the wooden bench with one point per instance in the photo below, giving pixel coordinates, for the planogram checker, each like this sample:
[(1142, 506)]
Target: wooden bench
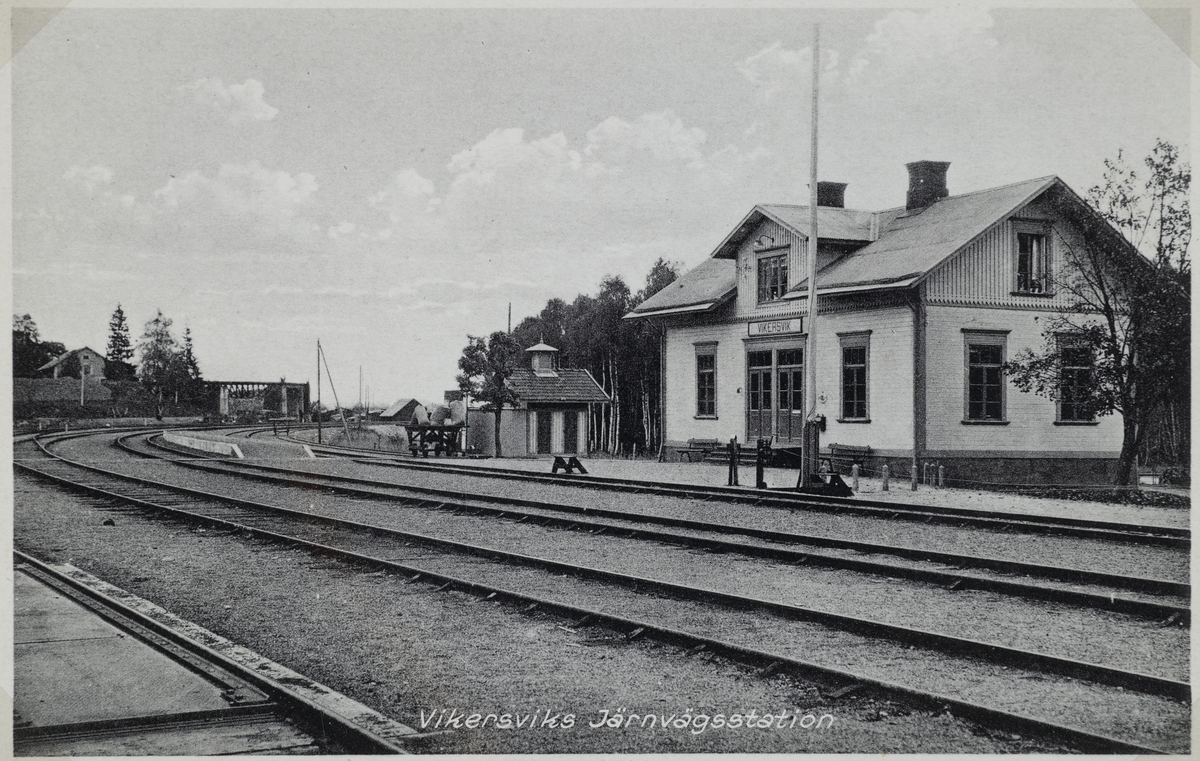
[(844, 456), (700, 447)]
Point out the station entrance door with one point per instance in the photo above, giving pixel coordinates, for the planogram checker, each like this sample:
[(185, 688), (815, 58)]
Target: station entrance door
[(775, 395)]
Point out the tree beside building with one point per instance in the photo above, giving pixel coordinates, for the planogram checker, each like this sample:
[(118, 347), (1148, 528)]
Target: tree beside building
[(1123, 342)]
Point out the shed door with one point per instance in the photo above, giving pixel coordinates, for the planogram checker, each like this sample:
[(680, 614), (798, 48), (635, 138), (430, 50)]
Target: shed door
[(544, 421), (570, 432)]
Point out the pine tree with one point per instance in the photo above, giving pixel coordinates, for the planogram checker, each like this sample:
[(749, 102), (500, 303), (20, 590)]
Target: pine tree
[(120, 347), (193, 383)]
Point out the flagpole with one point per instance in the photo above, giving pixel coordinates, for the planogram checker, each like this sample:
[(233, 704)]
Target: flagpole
[(812, 440)]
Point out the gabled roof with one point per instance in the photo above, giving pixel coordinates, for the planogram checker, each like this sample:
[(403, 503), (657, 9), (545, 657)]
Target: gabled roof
[(567, 385), (399, 407), (65, 355), (905, 248), (911, 244), (702, 289), (833, 223)]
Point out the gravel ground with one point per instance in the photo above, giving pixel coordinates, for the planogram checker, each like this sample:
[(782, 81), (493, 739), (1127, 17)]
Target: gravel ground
[(1076, 552), (1110, 639), (407, 653), (715, 474), (869, 654)]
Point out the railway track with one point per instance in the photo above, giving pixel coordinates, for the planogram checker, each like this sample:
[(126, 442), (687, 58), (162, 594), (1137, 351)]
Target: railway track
[(1160, 599), (257, 703), (1009, 522), (378, 546)]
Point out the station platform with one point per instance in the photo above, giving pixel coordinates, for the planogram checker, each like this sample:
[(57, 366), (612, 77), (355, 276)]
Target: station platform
[(101, 672), (85, 687), (260, 449)]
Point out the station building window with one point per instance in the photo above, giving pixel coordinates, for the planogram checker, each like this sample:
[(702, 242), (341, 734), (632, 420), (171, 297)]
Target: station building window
[(1075, 380), (856, 348), (706, 380), (772, 277), (985, 376), (1032, 259)]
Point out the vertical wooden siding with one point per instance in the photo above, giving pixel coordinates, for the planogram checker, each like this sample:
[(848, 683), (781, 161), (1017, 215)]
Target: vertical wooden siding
[(747, 273), (984, 273)]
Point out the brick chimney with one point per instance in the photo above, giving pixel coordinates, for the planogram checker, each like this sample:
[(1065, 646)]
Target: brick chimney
[(926, 183), (831, 194)]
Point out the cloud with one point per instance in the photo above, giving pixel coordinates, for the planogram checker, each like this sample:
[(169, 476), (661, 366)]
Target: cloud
[(90, 178), (341, 230), (238, 103), (272, 201), (933, 33), (775, 68)]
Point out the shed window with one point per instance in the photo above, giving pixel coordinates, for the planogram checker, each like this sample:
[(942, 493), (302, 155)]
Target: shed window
[(772, 277)]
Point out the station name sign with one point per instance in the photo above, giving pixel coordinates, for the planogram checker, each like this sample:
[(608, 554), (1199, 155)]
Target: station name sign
[(777, 327)]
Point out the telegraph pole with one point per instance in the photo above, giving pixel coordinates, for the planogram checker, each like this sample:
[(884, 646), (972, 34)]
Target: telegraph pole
[(319, 441), (812, 438)]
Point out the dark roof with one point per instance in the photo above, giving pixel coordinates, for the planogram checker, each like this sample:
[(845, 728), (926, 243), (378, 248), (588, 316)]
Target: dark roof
[(63, 357), (911, 244), (701, 289), (399, 407), (907, 246), (567, 385)]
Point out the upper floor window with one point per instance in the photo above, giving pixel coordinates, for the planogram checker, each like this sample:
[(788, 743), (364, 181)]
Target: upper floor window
[(772, 277), (1033, 260), (1075, 381)]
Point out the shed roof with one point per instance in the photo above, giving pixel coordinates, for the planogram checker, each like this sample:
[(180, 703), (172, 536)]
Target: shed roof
[(567, 385), (398, 407)]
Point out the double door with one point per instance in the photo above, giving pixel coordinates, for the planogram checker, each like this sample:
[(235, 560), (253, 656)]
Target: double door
[(775, 395)]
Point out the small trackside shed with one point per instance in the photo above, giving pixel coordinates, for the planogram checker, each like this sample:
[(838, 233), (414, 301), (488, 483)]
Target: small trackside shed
[(919, 306), (401, 412), (551, 415)]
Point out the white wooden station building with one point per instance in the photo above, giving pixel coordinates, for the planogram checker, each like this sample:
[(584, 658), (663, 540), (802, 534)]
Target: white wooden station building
[(919, 305)]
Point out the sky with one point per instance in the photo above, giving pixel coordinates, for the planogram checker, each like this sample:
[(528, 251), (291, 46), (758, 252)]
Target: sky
[(389, 180)]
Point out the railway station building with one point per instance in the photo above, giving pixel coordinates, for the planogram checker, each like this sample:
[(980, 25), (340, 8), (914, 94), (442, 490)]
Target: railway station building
[(918, 308)]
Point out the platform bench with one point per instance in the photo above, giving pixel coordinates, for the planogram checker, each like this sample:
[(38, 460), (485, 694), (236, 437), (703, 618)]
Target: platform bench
[(843, 456), (700, 447)]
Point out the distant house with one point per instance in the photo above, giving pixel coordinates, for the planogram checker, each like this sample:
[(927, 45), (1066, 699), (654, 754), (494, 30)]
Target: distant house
[(90, 362), (400, 413), (551, 416)]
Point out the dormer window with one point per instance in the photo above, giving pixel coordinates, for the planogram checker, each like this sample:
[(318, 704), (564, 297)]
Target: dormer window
[(542, 360), (1033, 260), (772, 277)]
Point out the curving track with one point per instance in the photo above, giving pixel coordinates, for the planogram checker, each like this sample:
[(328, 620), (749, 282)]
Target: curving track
[(474, 566)]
